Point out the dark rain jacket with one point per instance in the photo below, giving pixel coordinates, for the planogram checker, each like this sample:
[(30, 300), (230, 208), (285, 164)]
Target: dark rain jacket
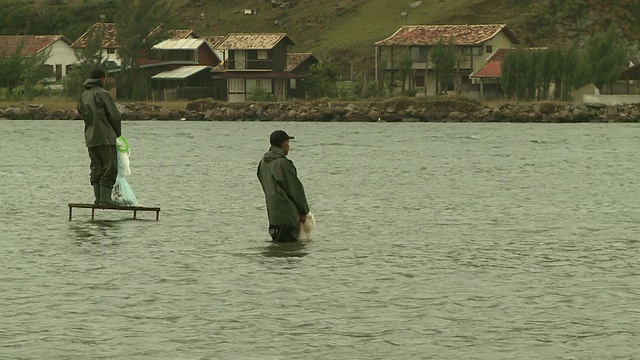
[(283, 191), (101, 116)]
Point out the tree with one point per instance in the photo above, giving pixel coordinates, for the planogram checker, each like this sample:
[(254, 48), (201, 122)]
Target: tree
[(519, 74), (11, 68), (574, 72), (87, 59), (405, 67), (140, 24), (443, 57), (321, 80), (607, 57), (34, 71), (19, 70)]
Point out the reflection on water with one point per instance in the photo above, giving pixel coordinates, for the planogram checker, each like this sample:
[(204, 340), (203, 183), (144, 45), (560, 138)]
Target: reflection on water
[(285, 250), (94, 232)]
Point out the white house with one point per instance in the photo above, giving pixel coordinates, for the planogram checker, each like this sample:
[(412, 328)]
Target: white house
[(110, 46), (60, 54)]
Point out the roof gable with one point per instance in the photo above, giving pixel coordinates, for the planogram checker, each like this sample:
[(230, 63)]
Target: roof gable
[(33, 44), (183, 34), (421, 35), (252, 41), (109, 40), (296, 59)]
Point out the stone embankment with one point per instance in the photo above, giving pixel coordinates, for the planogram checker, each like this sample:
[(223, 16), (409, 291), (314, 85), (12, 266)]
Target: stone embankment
[(393, 110)]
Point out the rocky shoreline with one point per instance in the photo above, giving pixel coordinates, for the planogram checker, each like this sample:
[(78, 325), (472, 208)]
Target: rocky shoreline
[(393, 110)]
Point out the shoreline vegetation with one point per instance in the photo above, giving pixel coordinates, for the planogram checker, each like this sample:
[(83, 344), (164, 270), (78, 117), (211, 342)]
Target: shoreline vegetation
[(397, 109)]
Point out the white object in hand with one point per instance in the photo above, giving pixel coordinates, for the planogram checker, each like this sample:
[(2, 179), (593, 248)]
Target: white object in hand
[(306, 227)]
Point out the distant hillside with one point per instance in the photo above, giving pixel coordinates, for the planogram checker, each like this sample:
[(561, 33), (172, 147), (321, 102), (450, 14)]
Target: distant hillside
[(345, 29), (340, 29)]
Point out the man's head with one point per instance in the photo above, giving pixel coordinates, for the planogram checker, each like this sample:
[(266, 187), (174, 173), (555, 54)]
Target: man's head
[(98, 74), (280, 139)]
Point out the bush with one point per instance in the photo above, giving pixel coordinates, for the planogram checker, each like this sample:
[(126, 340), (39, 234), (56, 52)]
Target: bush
[(261, 95)]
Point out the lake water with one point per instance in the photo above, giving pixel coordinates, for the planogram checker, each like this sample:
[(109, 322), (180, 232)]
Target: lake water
[(442, 241)]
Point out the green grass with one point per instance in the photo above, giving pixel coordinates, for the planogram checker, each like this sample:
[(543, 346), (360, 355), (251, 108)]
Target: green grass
[(346, 28)]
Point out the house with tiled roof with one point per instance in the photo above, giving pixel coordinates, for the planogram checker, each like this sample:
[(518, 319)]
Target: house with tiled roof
[(299, 64), (255, 60), (473, 45), (60, 55), (110, 46), (489, 75)]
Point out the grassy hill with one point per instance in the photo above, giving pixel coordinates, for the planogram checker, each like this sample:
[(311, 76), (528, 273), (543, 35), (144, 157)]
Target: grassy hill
[(341, 28)]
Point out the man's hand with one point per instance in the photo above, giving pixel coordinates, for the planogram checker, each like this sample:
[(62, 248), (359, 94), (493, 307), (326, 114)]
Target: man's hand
[(303, 218)]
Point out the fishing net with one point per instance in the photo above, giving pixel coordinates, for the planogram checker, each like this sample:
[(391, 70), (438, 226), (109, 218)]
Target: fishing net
[(122, 192)]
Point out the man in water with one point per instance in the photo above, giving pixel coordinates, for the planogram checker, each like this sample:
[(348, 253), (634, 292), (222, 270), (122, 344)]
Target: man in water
[(287, 206), (101, 128)]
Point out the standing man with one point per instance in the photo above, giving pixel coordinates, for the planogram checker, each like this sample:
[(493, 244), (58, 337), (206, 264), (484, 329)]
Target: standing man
[(287, 205), (101, 128)]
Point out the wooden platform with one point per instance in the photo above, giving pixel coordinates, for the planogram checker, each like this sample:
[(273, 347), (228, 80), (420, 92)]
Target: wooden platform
[(93, 208)]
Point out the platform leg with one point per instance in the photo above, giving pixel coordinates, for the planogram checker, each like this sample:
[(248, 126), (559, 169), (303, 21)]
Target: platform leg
[(157, 215), (70, 210), (135, 213), (93, 210)]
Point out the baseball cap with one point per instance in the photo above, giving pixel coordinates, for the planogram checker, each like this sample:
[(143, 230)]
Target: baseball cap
[(278, 137)]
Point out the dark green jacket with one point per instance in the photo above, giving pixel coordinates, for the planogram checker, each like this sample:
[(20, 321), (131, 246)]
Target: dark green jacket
[(283, 191), (101, 116)]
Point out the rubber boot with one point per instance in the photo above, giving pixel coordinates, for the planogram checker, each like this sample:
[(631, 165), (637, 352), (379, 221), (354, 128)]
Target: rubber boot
[(105, 197), (96, 192)]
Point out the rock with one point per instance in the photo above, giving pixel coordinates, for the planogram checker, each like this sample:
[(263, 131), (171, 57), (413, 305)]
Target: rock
[(596, 105), (374, 115), (350, 108), (15, 113), (357, 117)]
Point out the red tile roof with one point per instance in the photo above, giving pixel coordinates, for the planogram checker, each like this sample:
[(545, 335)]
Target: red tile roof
[(493, 67), (295, 59), (32, 44), (109, 40), (252, 41), (498, 55), (421, 35), (490, 70)]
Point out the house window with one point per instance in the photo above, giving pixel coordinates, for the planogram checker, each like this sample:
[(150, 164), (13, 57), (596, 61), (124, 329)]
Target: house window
[(264, 83), (111, 51), (292, 83), (236, 86), (475, 51), (489, 49), (419, 54), (263, 54)]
